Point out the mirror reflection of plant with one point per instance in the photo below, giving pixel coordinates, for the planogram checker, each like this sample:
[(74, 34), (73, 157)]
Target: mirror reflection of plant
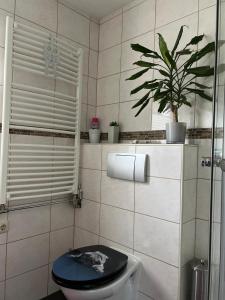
[(179, 76)]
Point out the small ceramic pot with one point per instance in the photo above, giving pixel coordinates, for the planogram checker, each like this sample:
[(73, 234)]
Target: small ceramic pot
[(94, 136), (175, 132), (113, 134)]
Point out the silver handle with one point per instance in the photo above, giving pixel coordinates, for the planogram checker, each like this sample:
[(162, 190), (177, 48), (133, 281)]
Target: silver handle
[(221, 164)]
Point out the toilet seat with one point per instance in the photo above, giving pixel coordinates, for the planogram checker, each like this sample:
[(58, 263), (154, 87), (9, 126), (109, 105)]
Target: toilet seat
[(88, 267)]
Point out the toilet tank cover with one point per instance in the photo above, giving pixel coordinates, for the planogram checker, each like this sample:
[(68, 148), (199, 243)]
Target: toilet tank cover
[(88, 267)]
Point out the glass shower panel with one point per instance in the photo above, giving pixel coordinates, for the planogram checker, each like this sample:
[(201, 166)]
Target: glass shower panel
[(217, 261)]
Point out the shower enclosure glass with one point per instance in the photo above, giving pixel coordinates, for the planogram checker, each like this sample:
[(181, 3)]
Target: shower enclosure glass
[(217, 248)]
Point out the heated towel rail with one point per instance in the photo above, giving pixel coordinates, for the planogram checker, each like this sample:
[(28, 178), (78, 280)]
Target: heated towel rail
[(39, 171)]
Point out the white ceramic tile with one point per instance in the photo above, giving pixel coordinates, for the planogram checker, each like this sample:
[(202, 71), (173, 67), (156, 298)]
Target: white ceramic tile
[(159, 197), (93, 64), (3, 236), (189, 200), (31, 285), (151, 235), (165, 10), (115, 192), (35, 253), (94, 36), (84, 238), (190, 162), (91, 156), (92, 91), (132, 4), (84, 90), (110, 33), (206, 3), (216, 240), (52, 286), (204, 150), (217, 192), (42, 12), (88, 216), (203, 113), (28, 222), (107, 114), (117, 225), (103, 241), (139, 20), (129, 122), (109, 61), (118, 148), (60, 242), (188, 242), (62, 215), (83, 118), (143, 297), (91, 180), (7, 5), (163, 160), (73, 25), (2, 261), (203, 199), (108, 90), (2, 290), (129, 56), (202, 239), (111, 16), (126, 86), (158, 280)]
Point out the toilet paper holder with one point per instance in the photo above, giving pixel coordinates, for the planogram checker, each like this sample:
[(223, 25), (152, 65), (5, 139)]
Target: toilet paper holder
[(127, 166)]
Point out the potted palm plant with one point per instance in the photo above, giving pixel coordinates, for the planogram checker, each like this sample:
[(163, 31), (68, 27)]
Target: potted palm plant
[(113, 133), (176, 73)]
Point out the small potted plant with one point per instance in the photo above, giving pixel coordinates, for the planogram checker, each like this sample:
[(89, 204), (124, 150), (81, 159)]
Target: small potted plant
[(175, 74), (113, 133), (94, 131)]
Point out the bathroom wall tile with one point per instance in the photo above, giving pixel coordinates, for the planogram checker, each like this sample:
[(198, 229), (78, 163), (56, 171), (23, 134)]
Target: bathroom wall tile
[(31, 285), (8, 5), (84, 238), (204, 150), (206, 3), (143, 297), (189, 200), (3, 236), (109, 61), (165, 10), (216, 240), (92, 91), (91, 181), (129, 56), (43, 12), (159, 120), (2, 290), (203, 199), (60, 242), (88, 216), (139, 19), (37, 218), (62, 215), (84, 99), (94, 36), (132, 4), (154, 272), (202, 239), (35, 253), (190, 162), (203, 113), (111, 16), (217, 201), (187, 242), (90, 156), (110, 33), (119, 193), (2, 261), (93, 64), (52, 286), (108, 243), (160, 198), (106, 114), (83, 118), (108, 90), (68, 20), (118, 148), (117, 225), (163, 160), (129, 122), (151, 235)]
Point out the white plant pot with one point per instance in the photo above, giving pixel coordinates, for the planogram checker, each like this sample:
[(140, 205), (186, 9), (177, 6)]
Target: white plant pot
[(113, 134), (94, 136)]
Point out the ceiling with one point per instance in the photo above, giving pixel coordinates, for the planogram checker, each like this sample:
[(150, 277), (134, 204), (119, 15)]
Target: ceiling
[(97, 8)]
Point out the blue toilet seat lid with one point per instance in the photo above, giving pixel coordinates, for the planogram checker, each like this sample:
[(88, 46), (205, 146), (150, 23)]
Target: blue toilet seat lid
[(88, 267)]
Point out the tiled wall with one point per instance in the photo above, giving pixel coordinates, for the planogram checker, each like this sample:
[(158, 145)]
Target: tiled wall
[(139, 22), (154, 220), (37, 236)]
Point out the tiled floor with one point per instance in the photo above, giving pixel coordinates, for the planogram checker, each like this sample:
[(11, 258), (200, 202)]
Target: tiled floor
[(55, 296)]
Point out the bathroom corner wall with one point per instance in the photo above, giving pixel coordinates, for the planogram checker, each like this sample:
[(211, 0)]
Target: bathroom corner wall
[(139, 22), (154, 220), (37, 236)]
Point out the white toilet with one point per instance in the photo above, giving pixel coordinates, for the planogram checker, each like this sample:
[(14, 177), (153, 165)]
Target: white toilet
[(96, 273)]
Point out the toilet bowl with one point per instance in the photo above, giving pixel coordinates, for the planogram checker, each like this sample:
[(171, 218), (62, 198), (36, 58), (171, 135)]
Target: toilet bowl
[(96, 273)]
